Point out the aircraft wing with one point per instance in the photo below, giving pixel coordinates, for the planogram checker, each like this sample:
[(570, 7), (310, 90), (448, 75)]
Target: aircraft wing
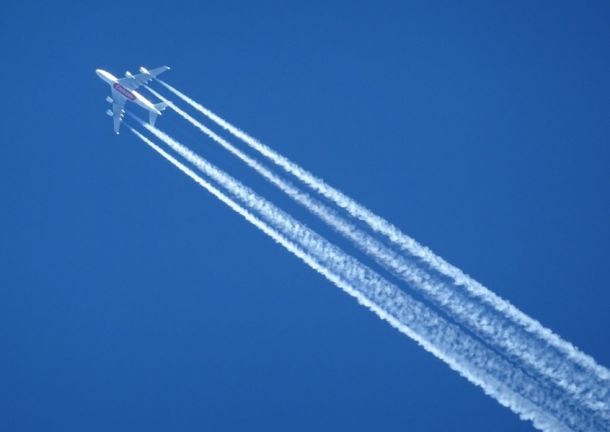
[(118, 105), (132, 82)]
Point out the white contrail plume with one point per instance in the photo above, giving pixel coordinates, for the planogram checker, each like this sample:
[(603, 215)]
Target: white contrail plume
[(491, 324), (544, 404)]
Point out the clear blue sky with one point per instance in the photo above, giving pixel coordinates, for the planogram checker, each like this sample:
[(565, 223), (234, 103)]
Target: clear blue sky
[(132, 300)]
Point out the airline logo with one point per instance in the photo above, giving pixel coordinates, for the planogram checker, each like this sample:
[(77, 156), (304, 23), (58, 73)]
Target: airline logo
[(129, 95)]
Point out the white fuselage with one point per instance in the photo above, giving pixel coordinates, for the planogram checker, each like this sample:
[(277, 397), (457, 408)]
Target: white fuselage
[(126, 94)]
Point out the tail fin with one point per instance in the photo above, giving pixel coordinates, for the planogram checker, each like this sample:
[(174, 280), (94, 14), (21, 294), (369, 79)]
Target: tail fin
[(152, 116)]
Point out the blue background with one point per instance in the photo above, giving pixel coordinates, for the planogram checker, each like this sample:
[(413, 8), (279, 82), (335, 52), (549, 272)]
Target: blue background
[(130, 299)]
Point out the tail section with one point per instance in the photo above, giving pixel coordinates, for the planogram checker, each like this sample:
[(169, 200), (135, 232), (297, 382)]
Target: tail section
[(160, 106), (152, 115)]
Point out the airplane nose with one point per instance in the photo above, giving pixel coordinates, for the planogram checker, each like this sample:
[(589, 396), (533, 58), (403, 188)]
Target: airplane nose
[(98, 72)]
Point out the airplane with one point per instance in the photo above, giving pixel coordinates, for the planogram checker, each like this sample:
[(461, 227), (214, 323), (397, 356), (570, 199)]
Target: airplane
[(124, 89)]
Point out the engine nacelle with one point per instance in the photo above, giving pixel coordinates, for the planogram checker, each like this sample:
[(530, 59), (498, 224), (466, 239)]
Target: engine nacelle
[(144, 70), (128, 74), (109, 113), (109, 99)]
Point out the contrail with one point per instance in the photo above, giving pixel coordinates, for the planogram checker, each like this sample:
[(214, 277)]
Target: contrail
[(492, 324), (544, 404), (406, 243)]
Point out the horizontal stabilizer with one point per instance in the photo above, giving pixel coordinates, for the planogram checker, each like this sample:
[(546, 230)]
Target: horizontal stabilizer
[(152, 117)]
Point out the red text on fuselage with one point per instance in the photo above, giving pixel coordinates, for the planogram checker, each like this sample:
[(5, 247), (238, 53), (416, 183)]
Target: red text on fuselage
[(118, 87)]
